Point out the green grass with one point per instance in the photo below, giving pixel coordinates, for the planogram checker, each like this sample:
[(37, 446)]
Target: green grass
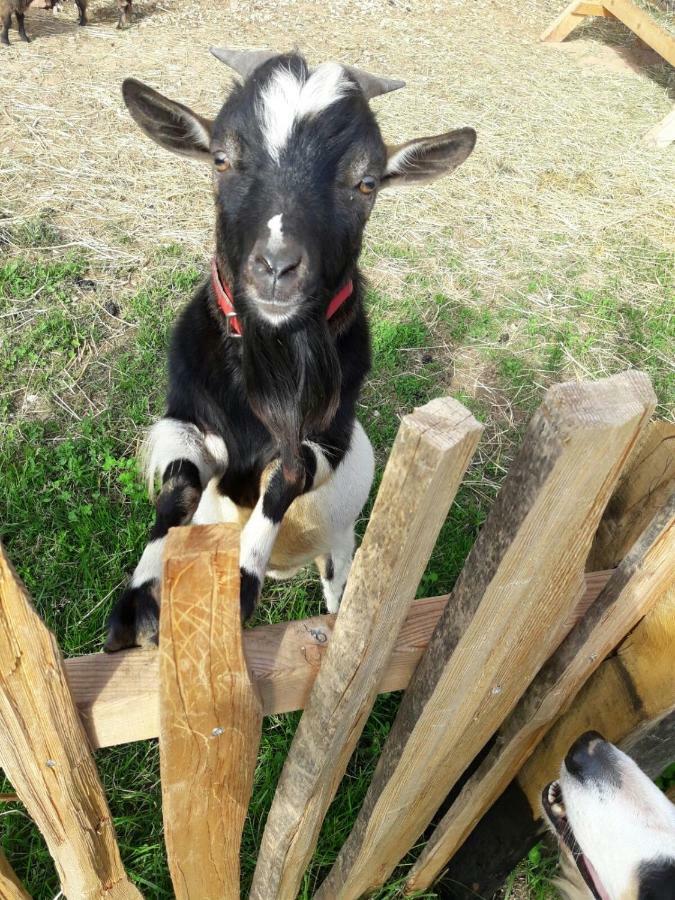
[(78, 385)]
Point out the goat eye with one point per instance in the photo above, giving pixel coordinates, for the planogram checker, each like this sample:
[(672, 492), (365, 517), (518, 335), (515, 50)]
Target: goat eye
[(221, 162), (367, 185)]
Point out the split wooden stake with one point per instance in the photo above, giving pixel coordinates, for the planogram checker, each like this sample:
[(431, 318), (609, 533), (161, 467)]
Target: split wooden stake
[(430, 455), (45, 753), (636, 585), (521, 577), (210, 713), (10, 886), (118, 694)]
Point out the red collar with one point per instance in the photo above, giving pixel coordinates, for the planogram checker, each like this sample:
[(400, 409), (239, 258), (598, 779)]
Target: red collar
[(226, 303)]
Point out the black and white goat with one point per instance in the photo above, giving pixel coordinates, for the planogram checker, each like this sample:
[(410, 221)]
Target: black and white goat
[(268, 358)]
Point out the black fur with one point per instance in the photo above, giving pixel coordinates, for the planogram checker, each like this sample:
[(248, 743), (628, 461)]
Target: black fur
[(656, 880), (280, 384)]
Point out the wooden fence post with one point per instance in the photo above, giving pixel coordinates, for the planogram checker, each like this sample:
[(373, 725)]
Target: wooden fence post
[(646, 485), (10, 886), (117, 694), (501, 624), (430, 455), (45, 753), (210, 713), (632, 590), (632, 687)]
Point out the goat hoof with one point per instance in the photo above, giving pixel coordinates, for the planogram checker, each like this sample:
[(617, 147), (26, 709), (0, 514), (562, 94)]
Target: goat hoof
[(134, 620), (249, 590), (4, 40), (25, 38)]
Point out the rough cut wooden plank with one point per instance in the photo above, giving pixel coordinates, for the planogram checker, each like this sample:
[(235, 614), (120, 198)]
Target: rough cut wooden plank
[(522, 576), (210, 714), (646, 484), (663, 133), (118, 694), (633, 687), (642, 24), (432, 450), (571, 17), (10, 886), (45, 754), (630, 692), (633, 589)]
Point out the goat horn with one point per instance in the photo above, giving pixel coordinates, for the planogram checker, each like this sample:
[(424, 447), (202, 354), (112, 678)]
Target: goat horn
[(244, 62), (372, 85)]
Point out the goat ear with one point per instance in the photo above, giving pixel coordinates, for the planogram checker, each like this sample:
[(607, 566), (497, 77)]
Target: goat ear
[(172, 125), (424, 159)]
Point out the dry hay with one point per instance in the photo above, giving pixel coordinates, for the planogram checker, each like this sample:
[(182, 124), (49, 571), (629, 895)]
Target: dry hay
[(559, 174)]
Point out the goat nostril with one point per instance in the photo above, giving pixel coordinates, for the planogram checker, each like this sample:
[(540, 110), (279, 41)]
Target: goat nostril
[(265, 265), (287, 267)]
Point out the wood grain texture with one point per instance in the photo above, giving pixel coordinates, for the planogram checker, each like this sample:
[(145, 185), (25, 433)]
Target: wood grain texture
[(629, 690), (210, 714), (571, 17), (521, 578), (645, 487), (118, 694), (10, 886), (644, 26), (45, 754), (663, 133), (632, 590), (432, 450)]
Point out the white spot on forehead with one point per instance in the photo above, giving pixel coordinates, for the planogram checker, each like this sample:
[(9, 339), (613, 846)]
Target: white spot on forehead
[(286, 99), (276, 233)]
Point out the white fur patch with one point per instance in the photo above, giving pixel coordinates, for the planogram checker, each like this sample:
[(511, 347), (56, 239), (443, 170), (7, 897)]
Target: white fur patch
[(276, 238), (171, 439), (257, 541), (150, 564), (285, 99)]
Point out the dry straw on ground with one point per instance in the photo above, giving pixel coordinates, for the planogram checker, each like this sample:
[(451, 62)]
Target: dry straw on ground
[(559, 173)]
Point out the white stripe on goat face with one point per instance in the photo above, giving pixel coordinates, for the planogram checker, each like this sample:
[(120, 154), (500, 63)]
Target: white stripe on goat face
[(276, 238), (285, 99)]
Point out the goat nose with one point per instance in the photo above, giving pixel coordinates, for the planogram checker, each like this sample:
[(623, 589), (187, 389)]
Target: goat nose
[(278, 263), (588, 757)]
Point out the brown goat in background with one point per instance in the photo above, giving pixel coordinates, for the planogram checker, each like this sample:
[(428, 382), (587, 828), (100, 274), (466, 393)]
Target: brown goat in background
[(18, 7)]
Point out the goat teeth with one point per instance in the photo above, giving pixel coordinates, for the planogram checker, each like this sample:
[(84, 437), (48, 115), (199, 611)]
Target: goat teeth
[(554, 792)]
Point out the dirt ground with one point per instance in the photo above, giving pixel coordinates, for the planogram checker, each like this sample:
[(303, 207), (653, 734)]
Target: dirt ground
[(553, 114)]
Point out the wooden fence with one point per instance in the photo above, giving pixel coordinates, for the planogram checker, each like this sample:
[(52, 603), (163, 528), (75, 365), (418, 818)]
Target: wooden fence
[(525, 630)]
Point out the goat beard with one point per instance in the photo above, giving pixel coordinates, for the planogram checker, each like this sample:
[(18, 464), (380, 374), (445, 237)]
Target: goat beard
[(292, 381)]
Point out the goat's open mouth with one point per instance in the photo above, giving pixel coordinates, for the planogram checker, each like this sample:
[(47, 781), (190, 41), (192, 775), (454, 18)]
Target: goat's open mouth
[(554, 807)]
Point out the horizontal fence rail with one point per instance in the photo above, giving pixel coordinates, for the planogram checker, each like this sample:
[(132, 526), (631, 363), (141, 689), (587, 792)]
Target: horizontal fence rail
[(524, 631)]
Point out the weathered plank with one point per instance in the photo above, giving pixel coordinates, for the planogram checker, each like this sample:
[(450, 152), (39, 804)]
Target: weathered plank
[(636, 585), (521, 577), (570, 18), (630, 699), (210, 714), (118, 694), (633, 687), (645, 486), (10, 886), (45, 754), (644, 26), (432, 450), (663, 133)]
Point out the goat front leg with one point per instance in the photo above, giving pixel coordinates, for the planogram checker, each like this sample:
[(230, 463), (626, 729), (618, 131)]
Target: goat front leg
[(186, 459), (261, 530), (134, 619)]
